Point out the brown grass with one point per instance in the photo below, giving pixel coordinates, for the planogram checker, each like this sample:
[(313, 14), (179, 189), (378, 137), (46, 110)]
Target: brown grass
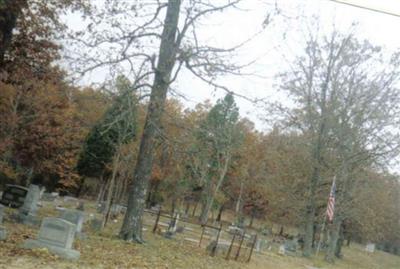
[(105, 250)]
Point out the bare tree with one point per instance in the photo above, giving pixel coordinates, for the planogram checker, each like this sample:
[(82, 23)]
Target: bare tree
[(122, 34), (339, 96)]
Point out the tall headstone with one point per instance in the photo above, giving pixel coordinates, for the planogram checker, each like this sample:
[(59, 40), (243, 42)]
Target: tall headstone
[(27, 212), (57, 235), (282, 250), (3, 233), (1, 214)]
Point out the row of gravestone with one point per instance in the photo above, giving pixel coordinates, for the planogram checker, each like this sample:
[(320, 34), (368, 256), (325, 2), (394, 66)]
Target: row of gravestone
[(55, 234)]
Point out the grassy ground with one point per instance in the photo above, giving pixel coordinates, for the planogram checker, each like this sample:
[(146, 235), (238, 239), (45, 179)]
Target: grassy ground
[(104, 250)]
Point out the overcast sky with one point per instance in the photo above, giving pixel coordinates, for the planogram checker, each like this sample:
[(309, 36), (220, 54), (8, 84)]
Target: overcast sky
[(283, 39), (278, 44)]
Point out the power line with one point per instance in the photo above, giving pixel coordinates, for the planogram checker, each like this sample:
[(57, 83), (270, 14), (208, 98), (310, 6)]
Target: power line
[(366, 8)]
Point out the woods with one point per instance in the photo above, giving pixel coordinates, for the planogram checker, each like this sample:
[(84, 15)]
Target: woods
[(134, 141)]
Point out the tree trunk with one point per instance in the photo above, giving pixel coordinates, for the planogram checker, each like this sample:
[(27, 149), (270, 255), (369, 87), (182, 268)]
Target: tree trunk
[(187, 209), (111, 188), (100, 192), (219, 217), (80, 187), (210, 200), (334, 233), (253, 214), (205, 209), (316, 158), (9, 12), (132, 225), (194, 209), (239, 207)]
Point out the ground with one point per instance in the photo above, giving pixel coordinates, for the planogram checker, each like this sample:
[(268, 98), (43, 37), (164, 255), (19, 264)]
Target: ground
[(105, 250)]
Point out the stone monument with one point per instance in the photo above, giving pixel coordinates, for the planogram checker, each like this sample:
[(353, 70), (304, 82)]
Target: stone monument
[(27, 212), (57, 235)]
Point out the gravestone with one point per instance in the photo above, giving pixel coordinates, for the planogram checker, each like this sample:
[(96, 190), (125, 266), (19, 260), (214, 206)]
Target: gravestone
[(3, 232), (220, 249), (13, 196), (81, 206), (1, 214), (259, 242), (74, 216), (95, 224), (235, 230), (27, 212), (172, 226), (49, 197), (57, 235), (118, 209), (370, 248), (282, 250), (291, 247)]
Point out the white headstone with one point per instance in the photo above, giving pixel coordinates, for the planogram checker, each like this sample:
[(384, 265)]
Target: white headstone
[(58, 232), (370, 248), (57, 235), (281, 250)]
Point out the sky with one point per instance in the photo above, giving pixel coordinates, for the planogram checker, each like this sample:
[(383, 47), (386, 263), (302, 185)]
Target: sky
[(272, 48), (282, 40)]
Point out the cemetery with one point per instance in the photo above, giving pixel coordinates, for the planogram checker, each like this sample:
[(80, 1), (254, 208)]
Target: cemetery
[(55, 240), (199, 134)]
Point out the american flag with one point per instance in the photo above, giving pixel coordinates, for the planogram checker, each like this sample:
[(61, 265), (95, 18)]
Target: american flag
[(330, 211)]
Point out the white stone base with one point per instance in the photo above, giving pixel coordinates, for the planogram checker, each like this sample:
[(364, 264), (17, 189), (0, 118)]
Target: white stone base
[(69, 254)]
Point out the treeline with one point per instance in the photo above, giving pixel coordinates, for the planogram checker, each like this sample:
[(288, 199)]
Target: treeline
[(265, 176)]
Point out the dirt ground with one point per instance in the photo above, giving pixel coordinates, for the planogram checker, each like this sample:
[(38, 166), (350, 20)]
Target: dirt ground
[(105, 250)]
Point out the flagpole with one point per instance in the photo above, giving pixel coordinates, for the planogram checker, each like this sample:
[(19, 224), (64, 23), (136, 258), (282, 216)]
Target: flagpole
[(324, 223)]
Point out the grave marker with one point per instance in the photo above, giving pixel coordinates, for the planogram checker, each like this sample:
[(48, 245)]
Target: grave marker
[(370, 247), (1, 214), (3, 232), (74, 216), (27, 212), (57, 235)]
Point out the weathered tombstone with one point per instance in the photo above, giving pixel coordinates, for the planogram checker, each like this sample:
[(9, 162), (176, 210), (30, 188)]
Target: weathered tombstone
[(291, 247), (220, 249), (96, 224), (81, 206), (49, 196), (3, 233), (42, 191), (27, 212), (258, 245), (13, 196), (74, 216), (1, 214), (172, 226), (235, 230), (370, 248), (282, 250), (57, 235)]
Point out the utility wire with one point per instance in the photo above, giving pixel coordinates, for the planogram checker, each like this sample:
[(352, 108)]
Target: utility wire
[(366, 8)]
